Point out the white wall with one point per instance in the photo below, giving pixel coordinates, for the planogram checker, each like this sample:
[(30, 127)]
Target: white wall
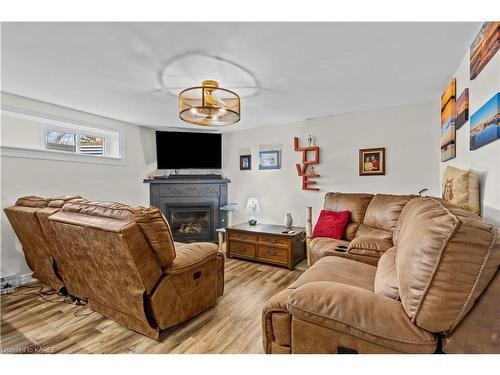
[(409, 133), (485, 161), (28, 176)]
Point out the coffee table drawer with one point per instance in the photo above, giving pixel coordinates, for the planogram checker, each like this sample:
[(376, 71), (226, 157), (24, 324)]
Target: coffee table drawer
[(242, 248), (242, 236), (273, 254), (274, 240)]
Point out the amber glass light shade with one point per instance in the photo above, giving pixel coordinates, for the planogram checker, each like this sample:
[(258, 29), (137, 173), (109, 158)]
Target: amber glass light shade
[(209, 105)]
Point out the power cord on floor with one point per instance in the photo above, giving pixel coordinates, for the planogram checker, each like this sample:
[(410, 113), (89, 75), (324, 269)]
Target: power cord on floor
[(44, 294)]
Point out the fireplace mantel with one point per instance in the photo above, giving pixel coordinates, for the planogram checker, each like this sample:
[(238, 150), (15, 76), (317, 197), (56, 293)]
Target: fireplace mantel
[(178, 197)]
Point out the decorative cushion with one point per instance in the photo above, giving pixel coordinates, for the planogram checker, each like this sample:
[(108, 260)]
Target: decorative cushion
[(461, 187), (331, 224), (445, 258), (386, 278), (355, 203)]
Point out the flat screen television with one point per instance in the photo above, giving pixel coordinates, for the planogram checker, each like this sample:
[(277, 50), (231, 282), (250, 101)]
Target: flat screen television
[(183, 150)]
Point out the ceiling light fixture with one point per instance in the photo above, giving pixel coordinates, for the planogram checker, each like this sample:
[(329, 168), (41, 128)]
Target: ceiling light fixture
[(209, 105)]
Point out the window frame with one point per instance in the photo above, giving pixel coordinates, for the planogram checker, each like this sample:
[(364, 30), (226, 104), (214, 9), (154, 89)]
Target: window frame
[(46, 128), (113, 135), (86, 134)]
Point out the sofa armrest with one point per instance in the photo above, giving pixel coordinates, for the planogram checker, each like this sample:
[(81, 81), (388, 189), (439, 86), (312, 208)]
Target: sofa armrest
[(191, 255), (358, 313)]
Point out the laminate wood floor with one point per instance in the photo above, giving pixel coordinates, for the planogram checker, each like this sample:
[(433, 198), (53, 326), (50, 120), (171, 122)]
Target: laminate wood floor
[(29, 322)]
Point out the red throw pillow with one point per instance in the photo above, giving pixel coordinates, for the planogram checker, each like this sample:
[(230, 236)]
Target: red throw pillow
[(331, 224)]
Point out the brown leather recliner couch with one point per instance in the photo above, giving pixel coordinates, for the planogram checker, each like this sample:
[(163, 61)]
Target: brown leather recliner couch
[(370, 229), (123, 261), (435, 289)]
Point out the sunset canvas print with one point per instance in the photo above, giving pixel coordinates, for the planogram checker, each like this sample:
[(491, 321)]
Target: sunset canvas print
[(462, 109), (484, 47), (485, 123), (448, 132)]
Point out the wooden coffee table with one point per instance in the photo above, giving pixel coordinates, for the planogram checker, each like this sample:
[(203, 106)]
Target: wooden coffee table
[(266, 243)]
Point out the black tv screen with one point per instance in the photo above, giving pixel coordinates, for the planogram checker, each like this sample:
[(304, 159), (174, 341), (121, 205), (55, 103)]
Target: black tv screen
[(182, 150)]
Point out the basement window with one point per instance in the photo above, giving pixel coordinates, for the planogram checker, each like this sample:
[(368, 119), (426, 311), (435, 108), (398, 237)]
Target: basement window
[(72, 141), (39, 136), (60, 141), (75, 142)]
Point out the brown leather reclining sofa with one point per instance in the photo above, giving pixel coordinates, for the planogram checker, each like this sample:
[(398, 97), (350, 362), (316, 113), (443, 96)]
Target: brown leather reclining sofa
[(122, 260), (420, 276)]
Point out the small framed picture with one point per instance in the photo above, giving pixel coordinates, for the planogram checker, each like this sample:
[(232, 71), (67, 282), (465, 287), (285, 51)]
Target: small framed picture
[(245, 162), (372, 161), (270, 159)]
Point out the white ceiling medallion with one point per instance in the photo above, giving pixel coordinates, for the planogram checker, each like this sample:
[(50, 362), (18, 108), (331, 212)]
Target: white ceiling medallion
[(189, 69)]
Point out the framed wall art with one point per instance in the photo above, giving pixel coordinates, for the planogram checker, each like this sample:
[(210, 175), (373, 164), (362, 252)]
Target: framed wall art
[(372, 161), (484, 47), (270, 159), (485, 123), (448, 113), (462, 109), (245, 162)]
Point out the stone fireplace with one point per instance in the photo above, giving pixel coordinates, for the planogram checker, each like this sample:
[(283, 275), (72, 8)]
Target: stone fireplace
[(191, 206)]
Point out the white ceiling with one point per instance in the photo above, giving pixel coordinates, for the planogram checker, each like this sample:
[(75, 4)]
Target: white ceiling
[(302, 70)]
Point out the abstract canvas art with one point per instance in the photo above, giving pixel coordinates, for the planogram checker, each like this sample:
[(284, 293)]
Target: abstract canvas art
[(448, 132), (484, 47), (462, 109), (485, 123)]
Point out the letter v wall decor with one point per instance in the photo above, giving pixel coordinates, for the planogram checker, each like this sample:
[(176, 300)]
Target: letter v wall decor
[(306, 170)]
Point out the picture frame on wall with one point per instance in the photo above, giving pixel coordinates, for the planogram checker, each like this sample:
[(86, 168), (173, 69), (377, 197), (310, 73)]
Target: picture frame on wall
[(484, 47), (270, 159), (462, 109), (372, 161), (448, 115), (245, 162), (485, 123)]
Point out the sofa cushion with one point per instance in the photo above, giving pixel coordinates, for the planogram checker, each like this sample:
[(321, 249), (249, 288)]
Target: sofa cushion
[(150, 220), (59, 201), (32, 201), (340, 270), (377, 234), (445, 258), (386, 278), (369, 246), (355, 203), (461, 187), (354, 318), (331, 224), (384, 210), (111, 210), (157, 231), (190, 256)]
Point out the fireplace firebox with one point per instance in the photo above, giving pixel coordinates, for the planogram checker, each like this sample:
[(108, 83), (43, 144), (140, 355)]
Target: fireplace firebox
[(192, 207)]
